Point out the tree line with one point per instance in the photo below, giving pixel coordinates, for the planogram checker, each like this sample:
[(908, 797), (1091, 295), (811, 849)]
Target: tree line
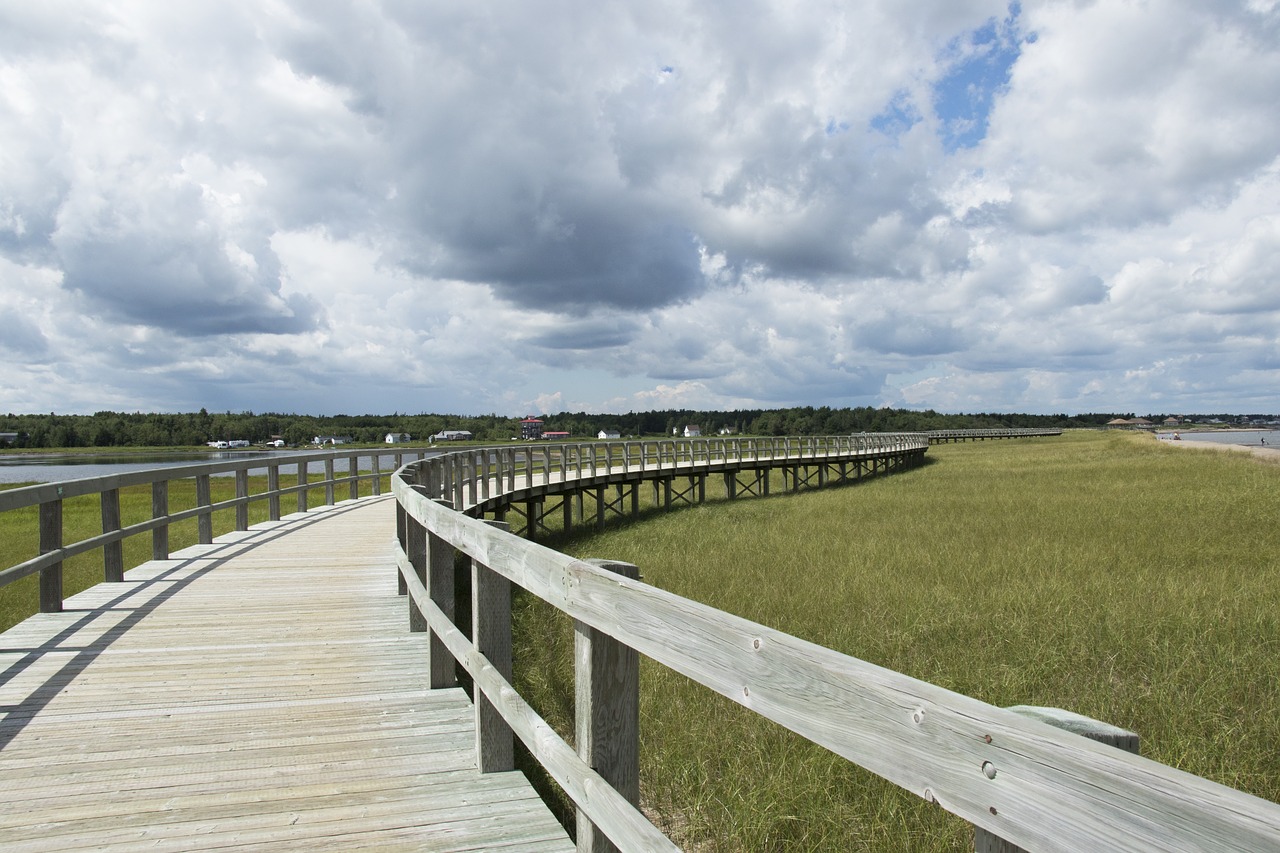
[(137, 429)]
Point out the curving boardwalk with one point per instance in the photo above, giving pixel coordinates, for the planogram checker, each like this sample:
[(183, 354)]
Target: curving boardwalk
[(259, 692)]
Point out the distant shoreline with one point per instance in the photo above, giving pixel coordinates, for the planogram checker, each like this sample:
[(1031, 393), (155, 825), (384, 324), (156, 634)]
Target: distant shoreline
[(1267, 454)]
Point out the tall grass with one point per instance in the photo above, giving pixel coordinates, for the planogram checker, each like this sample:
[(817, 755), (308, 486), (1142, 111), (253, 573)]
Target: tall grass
[(1102, 573)]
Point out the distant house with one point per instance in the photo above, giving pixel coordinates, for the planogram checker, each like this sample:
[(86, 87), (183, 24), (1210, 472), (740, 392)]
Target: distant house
[(555, 436), (8, 437), (452, 435), (333, 440), (397, 438), (608, 433), (531, 429), (238, 442), (692, 431), (727, 430)]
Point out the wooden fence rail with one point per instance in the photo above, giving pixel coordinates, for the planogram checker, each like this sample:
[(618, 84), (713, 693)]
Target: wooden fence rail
[(363, 471), (1020, 779)]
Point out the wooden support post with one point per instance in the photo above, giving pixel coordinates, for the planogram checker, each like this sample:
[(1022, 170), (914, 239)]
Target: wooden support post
[(376, 464), (566, 506), (415, 549), (273, 486), (439, 583), (731, 484), (984, 841), (242, 492), (302, 481), (160, 509), (491, 633), (112, 552), (353, 477), (635, 500), (532, 517), (402, 536), (328, 482), (600, 513), (204, 521), (51, 540), (607, 713)]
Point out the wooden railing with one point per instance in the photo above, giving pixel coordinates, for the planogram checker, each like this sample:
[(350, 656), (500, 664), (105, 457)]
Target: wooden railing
[(943, 436), (364, 469), (1019, 780)]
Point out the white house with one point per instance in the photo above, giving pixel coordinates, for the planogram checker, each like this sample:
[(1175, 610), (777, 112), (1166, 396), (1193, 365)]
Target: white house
[(331, 439), (608, 433), (452, 435), (397, 438), (692, 431)]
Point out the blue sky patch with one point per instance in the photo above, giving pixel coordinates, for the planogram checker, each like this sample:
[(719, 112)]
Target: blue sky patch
[(899, 116), (980, 62)]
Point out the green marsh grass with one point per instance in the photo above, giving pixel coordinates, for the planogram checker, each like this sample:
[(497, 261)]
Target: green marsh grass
[(1102, 573)]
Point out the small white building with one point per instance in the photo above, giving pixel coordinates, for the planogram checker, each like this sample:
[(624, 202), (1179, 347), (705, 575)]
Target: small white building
[(452, 435), (692, 431), (397, 438), (333, 440), (608, 433)]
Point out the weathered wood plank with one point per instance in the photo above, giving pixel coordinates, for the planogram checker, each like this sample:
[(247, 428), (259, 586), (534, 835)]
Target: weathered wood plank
[(261, 691)]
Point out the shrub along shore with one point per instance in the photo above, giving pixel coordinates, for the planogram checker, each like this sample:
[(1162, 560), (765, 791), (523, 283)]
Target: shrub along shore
[(1105, 573)]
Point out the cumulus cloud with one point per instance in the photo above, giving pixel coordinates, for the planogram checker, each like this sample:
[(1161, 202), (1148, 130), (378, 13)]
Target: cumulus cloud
[(967, 204)]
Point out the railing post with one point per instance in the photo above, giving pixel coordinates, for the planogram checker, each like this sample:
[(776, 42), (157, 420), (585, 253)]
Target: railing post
[(204, 521), (402, 537), (302, 481), (328, 481), (985, 841), (160, 509), (242, 495), (353, 477), (273, 486), (439, 583), (607, 713), (51, 540), (491, 633), (415, 548), (112, 552), (376, 462)]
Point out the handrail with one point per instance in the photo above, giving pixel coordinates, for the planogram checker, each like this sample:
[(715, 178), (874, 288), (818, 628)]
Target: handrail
[(1021, 779), (49, 497)]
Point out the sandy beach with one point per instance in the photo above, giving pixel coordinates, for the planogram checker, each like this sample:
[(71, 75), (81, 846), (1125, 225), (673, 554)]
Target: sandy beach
[(1266, 454)]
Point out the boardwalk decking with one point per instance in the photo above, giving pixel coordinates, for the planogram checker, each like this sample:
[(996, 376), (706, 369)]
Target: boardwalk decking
[(263, 692)]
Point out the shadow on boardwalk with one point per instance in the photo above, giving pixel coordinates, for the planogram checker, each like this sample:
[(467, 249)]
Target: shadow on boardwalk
[(262, 691)]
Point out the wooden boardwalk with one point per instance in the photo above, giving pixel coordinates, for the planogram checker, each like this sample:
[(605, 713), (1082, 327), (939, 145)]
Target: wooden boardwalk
[(260, 692)]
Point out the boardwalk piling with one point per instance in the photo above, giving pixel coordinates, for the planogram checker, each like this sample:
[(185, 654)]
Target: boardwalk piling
[(607, 712), (491, 633)]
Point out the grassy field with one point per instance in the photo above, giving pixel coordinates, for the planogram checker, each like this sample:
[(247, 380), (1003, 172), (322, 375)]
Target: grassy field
[(1102, 573)]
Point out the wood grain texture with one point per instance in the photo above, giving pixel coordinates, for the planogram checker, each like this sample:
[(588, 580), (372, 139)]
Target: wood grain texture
[(260, 692)]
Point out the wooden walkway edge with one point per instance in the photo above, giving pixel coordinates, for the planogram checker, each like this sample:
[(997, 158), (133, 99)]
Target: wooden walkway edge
[(260, 692)]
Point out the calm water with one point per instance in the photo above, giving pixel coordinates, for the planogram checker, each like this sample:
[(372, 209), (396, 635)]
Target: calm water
[(1253, 437), (51, 468)]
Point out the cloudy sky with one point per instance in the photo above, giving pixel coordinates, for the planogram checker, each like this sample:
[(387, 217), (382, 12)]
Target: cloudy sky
[(329, 206)]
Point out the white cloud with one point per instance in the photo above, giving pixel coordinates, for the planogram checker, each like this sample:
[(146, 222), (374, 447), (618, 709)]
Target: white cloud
[(391, 206)]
